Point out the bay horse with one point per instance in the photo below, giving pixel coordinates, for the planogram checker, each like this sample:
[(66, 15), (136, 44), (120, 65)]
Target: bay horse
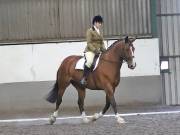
[(105, 77)]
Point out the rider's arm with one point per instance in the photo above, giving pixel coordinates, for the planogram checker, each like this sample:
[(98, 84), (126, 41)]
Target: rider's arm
[(103, 48)]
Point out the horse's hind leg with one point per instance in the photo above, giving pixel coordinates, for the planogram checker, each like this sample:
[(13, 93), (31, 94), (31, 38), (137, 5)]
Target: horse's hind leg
[(58, 103), (61, 91)]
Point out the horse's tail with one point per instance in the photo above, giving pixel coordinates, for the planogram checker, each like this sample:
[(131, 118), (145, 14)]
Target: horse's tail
[(53, 94)]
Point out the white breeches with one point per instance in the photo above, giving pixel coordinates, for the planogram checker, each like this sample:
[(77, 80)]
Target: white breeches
[(89, 58)]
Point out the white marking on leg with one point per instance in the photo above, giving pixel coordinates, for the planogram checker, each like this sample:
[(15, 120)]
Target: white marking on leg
[(53, 117), (120, 120), (97, 116), (55, 114), (84, 117), (77, 117), (83, 114)]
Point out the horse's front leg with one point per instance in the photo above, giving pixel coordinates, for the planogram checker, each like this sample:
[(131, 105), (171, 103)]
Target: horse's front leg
[(110, 93), (99, 115), (113, 104)]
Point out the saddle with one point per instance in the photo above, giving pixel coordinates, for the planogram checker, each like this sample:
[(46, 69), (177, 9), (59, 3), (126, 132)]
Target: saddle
[(80, 63)]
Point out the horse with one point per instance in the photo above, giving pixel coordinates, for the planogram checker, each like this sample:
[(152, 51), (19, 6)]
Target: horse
[(105, 77)]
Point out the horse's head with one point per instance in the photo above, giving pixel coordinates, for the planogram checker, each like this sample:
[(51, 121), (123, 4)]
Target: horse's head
[(128, 52)]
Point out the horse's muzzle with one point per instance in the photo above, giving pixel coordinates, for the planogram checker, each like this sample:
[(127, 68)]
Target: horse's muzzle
[(132, 66)]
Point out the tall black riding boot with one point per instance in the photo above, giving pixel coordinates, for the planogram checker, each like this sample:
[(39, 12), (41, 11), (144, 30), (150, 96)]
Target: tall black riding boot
[(85, 75)]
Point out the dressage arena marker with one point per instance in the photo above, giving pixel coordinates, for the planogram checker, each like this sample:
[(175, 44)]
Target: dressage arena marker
[(79, 117)]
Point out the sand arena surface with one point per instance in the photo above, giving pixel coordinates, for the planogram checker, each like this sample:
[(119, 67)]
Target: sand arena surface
[(152, 124)]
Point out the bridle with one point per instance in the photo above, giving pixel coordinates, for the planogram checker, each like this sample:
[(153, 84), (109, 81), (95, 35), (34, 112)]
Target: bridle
[(123, 58)]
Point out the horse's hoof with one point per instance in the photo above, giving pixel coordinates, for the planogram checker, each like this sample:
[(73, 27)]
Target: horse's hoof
[(86, 120), (96, 116), (120, 120), (52, 120)]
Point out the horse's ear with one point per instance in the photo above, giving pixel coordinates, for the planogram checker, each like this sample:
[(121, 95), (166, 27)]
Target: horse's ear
[(126, 39), (132, 39)]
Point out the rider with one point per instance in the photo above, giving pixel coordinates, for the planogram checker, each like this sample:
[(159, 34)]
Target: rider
[(95, 45)]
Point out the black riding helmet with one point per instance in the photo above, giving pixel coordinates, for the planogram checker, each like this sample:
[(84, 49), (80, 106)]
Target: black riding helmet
[(98, 19)]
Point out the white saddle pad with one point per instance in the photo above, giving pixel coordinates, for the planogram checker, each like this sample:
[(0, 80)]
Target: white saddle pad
[(80, 64)]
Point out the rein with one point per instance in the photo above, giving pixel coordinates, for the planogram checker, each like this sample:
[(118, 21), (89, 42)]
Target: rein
[(111, 61)]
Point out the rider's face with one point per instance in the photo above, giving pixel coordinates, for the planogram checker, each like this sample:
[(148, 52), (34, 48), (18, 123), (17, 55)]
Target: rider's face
[(98, 25)]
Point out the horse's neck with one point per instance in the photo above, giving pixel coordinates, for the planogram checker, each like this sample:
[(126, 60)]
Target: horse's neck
[(113, 56), (113, 53)]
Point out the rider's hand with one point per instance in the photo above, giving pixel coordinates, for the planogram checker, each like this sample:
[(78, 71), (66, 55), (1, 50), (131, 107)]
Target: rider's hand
[(96, 52)]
